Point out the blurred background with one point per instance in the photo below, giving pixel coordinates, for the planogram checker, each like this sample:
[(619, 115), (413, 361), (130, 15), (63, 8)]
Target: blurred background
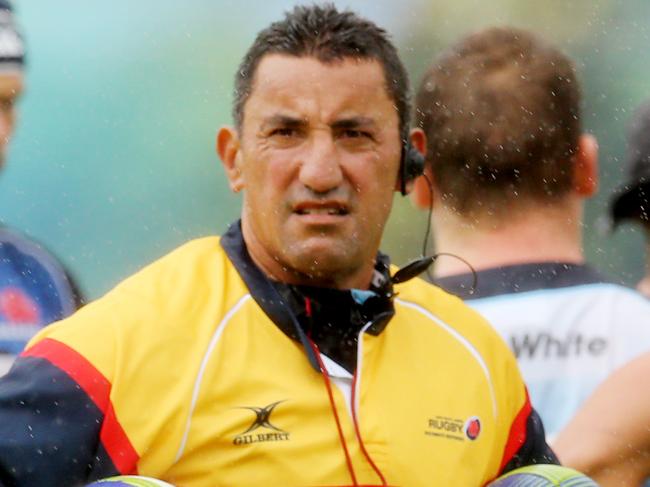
[(113, 162)]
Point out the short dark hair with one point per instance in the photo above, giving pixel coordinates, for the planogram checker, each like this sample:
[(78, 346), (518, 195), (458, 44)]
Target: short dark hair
[(321, 31), (501, 110)]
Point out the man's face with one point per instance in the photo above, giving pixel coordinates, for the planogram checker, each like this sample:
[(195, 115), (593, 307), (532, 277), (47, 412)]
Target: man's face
[(11, 85), (319, 154)]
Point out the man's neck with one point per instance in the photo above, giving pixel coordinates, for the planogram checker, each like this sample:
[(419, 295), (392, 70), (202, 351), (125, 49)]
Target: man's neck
[(276, 270), (540, 235)]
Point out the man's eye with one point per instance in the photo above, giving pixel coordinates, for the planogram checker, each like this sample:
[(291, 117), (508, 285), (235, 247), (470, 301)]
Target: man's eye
[(283, 132), (356, 134)]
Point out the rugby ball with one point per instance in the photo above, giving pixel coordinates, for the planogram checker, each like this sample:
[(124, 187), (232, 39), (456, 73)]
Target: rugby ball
[(543, 476), (129, 481)]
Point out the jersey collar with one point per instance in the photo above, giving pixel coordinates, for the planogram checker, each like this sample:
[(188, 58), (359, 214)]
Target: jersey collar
[(520, 278), (285, 304)]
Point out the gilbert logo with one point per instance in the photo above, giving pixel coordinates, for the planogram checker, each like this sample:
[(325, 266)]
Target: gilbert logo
[(262, 420)]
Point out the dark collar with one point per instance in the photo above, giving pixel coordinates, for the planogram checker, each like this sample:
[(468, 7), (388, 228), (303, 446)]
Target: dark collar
[(521, 278), (285, 304)]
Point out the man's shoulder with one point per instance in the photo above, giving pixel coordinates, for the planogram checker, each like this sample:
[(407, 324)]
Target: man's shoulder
[(192, 273), (456, 323), (600, 313), (164, 289), (624, 307), (433, 299), (611, 300), (175, 297), (625, 296), (194, 249), (447, 310), (536, 291), (188, 259)]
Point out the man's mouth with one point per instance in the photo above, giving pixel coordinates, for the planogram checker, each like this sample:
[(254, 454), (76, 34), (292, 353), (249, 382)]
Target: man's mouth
[(322, 211), (321, 208)]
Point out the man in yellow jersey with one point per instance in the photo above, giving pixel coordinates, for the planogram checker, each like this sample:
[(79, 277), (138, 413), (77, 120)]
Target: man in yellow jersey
[(288, 351)]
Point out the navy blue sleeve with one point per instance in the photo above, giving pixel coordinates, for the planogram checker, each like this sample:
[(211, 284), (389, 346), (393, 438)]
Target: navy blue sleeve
[(49, 428), (534, 449)]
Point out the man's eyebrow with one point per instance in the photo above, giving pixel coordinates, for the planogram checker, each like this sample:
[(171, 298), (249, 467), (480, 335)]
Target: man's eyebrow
[(283, 121), (353, 122), (289, 121)]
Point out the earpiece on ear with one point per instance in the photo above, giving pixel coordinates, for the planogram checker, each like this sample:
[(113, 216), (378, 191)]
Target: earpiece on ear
[(411, 167)]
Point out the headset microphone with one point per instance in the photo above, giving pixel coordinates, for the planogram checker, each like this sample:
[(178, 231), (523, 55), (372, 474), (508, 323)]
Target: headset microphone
[(412, 269)]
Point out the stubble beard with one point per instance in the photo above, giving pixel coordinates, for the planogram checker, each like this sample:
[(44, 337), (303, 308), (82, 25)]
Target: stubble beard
[(330, 267)]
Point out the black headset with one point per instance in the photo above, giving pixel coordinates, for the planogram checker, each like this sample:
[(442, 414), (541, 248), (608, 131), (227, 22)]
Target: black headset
[(411, 165)]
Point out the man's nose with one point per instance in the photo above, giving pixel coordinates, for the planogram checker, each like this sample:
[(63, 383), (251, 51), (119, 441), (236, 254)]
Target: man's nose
[(320, 168)]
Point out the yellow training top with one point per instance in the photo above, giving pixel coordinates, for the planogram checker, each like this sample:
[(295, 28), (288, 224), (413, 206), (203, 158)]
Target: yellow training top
[(180, 374)]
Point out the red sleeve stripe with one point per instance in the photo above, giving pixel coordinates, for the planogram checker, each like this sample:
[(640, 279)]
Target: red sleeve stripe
[(97, 388), (517, 435), (117, 444), (91, 380)]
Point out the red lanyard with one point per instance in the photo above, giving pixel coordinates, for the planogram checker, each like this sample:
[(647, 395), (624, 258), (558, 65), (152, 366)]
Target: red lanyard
[(330, 394)]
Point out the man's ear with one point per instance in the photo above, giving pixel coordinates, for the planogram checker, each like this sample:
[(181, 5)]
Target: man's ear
[(585, 166), (228, 149), (421, 192), (417, 141)]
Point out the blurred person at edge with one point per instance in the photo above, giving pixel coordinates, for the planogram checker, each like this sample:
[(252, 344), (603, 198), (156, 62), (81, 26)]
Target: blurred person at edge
[(285, 352), (510, 170), (34, 288), (632, 200), (609, 437)]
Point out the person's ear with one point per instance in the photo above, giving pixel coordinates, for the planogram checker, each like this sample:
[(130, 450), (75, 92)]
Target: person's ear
[(585, 166), (418, 144), (229, 151), (421, 192)]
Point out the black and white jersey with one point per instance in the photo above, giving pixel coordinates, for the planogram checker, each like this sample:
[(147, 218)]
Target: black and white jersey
[(568, 326)]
